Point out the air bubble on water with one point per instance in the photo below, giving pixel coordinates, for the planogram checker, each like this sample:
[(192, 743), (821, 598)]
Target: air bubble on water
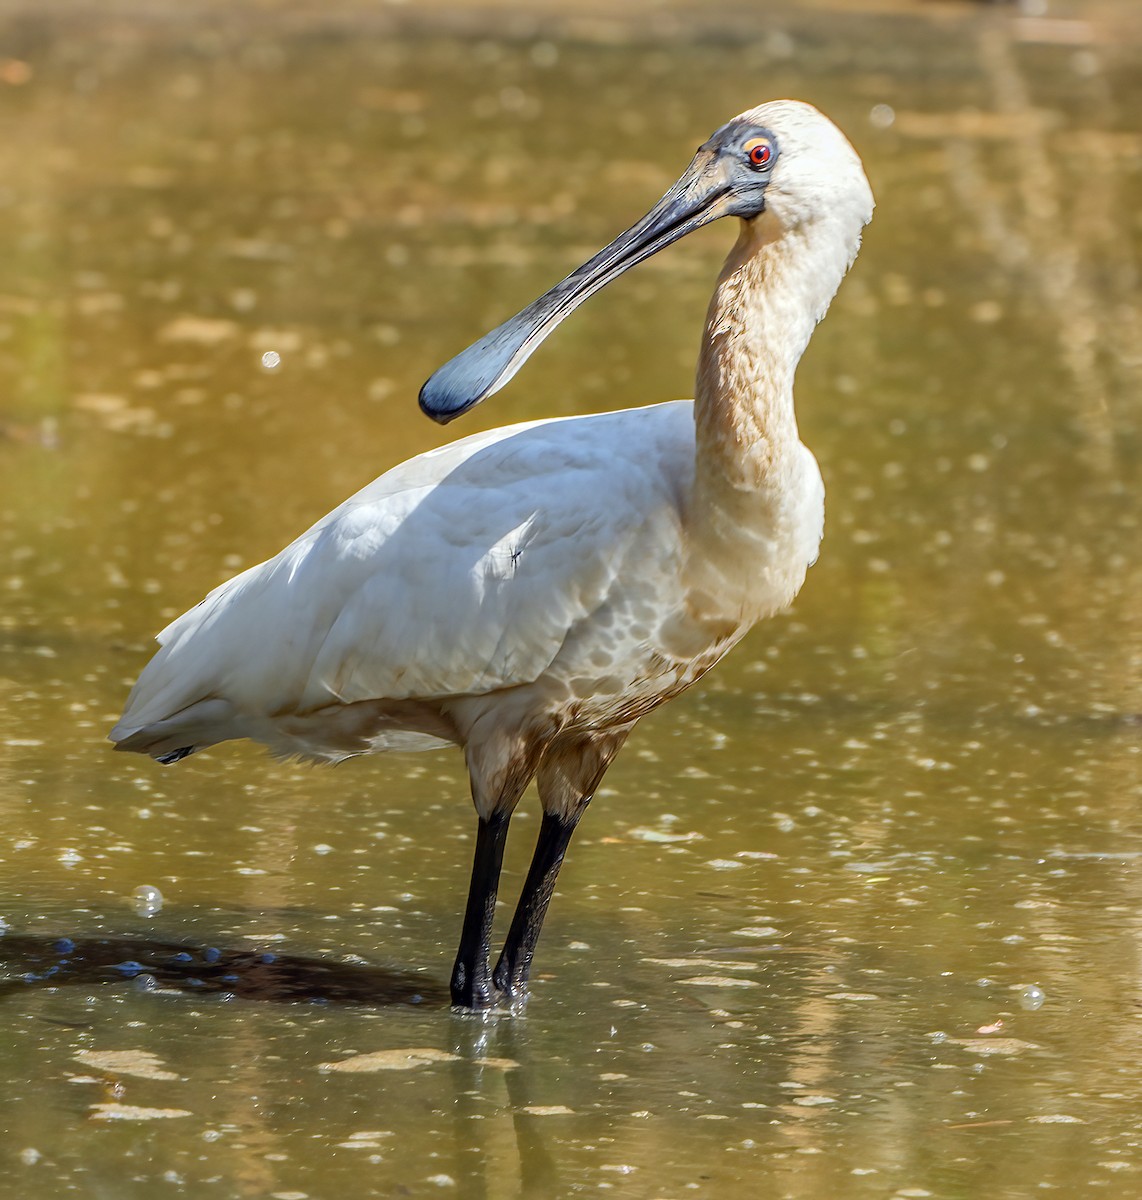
[(271, 360), (544, 54), (322, 848), (882, 116), (779, 44), (1032, 997), (145, 983), (4, 927), (146, 900)]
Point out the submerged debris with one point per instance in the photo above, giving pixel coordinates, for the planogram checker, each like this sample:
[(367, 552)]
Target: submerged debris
[(143, 1064), (131, 1112), (391, 1060)]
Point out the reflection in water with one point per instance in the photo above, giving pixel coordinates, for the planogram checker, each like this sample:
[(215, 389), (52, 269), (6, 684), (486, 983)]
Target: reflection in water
[(486, 1163), (812, 881), (31, 961)]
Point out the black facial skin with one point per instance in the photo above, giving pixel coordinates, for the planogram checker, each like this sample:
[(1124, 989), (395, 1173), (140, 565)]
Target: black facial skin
[(747, 181)]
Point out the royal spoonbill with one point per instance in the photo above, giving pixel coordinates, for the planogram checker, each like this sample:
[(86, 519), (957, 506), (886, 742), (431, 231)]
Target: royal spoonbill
[(529, 593)]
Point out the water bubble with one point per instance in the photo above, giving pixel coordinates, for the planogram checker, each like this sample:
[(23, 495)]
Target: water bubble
[(881, 116), (4, 927), (271, 360), (147, 900), (544, 54), (211, 954), (64, 945), (129, 968), (1032, 997), (1085, 63), (779, 44), (145, 983)]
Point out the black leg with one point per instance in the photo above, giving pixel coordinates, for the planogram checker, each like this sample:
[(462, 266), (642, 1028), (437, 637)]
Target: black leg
[(510, 975), (471, 976)]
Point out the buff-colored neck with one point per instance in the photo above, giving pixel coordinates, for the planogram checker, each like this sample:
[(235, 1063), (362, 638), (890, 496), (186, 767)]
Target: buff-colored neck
[(773, 289), (752, 476)]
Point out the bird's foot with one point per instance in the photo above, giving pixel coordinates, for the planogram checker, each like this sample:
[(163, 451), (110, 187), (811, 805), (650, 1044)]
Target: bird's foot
[(511, 987), (473, 991)]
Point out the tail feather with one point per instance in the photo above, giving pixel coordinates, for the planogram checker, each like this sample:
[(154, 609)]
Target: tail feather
[(176, 755), (200, 725)]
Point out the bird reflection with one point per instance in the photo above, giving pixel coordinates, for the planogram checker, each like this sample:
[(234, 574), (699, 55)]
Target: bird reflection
[(484, 1154)]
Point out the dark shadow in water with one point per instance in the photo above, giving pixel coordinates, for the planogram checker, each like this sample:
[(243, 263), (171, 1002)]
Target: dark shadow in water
[(28, 960)]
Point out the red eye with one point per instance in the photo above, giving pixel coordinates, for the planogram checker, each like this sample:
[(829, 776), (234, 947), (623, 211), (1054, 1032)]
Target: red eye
[(760, 151)]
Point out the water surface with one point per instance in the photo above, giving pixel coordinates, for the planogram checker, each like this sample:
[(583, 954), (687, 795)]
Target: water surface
[(793, 944)]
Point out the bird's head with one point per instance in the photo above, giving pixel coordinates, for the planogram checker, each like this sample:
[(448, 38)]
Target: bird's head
[(783, 162)]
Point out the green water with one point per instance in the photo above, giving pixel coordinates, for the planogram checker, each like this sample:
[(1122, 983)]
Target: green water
[(807, 885)]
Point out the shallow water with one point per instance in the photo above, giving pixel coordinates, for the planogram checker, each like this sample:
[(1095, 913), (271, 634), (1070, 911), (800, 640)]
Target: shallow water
[(797, 940)]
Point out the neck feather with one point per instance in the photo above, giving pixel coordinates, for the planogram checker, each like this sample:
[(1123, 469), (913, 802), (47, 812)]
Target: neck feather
[(756, 495), (774, 287)]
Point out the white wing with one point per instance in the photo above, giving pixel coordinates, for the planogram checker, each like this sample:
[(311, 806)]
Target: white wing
[(460, 571)]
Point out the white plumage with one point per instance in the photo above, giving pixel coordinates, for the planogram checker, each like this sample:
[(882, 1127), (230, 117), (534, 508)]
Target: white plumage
[(450, 575), (530, 592)]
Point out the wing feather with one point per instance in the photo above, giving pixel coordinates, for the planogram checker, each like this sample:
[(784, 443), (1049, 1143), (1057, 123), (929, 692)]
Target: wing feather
[(460, 571)]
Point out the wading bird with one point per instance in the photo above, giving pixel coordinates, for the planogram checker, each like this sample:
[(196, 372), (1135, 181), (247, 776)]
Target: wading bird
[(529, 593)]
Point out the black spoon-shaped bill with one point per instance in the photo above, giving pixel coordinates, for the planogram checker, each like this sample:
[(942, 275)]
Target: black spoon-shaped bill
[(698, 198)]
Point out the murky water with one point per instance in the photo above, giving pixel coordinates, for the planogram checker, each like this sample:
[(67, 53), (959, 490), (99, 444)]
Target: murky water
[(797, 941)]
